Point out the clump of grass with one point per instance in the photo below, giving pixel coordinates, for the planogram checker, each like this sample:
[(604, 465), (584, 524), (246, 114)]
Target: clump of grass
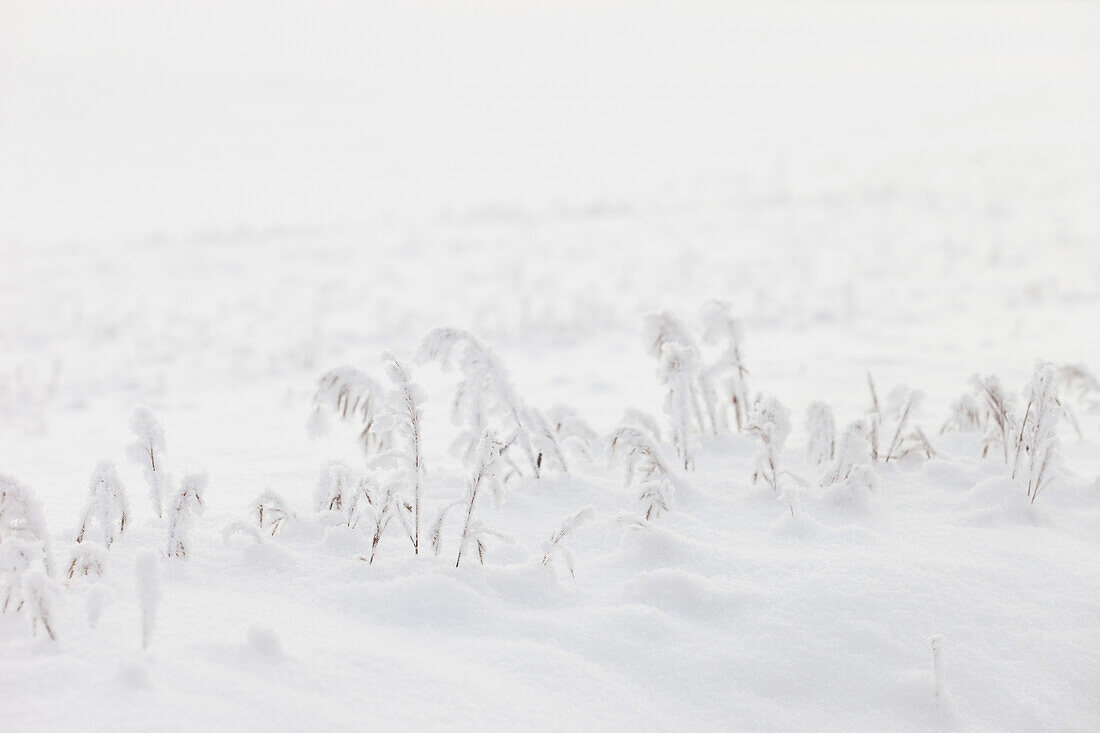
[(106, 505), (644, 422), (854, 450), (271, 512), (485, 479), (700, 395), (1036, 443), (572, 431), (148, 452), (15, 561), (903, 420), (546, 439), (770, 421), (966, 415), (554, 550), (399, 418), (405, 401), (25, 588), (25, 557), (916, 442), (337, 492), (382, 512), (821, 426), (21, 518), (647, 469), (352, 396), (88, 559), (486, 401), (38, 602), (857, 487), (997, 415), (185, 506), (334, 486), (678, 366), (874, 418), (988, 409), (907, 438), (720, 327), (690, 397)]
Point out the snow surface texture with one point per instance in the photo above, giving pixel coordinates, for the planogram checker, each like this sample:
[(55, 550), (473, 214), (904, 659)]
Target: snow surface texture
[(204, 207)]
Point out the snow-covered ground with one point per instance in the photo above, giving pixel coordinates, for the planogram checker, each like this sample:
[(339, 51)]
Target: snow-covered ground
[(205, 206)]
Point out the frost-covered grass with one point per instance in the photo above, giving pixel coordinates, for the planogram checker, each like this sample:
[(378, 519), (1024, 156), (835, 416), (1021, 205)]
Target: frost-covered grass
[(539, 512), (674, 597)]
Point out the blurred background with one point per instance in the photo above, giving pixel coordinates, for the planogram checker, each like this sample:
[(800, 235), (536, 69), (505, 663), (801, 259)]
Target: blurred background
[(204, 205)]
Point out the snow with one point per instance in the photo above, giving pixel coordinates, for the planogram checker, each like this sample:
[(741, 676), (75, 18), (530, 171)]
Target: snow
[(205, 207)]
